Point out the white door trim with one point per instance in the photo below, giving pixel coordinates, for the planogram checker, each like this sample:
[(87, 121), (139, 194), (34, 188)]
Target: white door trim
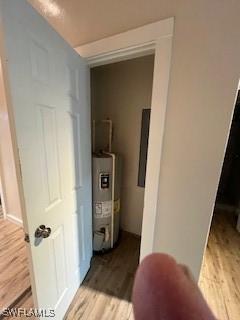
[(2, 190), (152, 38), (135, 42)]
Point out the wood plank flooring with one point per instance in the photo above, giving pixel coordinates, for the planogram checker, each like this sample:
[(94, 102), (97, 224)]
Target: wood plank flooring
[(14, 274), (106, 291), (220, 275), (24, 302)]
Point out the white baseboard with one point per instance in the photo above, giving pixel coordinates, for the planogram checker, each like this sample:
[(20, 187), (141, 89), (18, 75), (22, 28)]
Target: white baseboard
[(14, 219)]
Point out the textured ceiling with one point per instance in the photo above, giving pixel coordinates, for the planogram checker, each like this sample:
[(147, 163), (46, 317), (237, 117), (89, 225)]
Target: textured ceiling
[(83, 21)]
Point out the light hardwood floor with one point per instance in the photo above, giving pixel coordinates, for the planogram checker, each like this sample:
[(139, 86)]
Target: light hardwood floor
[(106, 291), (14, 274), (220, 275), (24, 302)]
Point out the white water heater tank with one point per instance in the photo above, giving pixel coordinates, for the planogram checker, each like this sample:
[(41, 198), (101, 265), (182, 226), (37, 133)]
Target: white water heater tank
[(106, 200)]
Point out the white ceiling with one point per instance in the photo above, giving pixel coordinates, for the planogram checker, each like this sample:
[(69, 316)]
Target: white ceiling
[(82, 21)]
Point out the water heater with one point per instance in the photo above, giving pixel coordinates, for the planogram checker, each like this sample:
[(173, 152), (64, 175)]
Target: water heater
[(106, 197)]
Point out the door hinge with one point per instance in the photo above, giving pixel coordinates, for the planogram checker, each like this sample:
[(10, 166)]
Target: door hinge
[(20, 166), (26, 238)]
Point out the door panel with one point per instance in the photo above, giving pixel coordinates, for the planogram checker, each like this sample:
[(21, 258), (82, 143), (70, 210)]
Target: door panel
[(49, 89), (50, 156)]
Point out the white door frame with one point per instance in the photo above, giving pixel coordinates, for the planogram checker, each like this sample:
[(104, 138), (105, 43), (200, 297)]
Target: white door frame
[(152, 38), (2, 191)]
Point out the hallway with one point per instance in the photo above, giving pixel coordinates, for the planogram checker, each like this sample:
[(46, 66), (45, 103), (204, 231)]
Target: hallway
[(220, 276)]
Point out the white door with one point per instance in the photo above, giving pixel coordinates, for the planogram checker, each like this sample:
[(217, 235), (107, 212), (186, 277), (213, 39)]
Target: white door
[(49, 89)]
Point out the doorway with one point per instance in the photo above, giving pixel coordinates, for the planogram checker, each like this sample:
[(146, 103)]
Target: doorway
[(219, 278), (120, 92)]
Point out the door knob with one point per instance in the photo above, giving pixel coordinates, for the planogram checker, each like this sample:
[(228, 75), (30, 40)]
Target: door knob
[(42, 232)]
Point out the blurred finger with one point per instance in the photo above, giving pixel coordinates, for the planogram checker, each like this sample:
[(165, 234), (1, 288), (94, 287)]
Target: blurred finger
[(164, 290)]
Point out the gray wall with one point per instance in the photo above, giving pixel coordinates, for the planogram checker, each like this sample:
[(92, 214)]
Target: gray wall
[(120, 91)]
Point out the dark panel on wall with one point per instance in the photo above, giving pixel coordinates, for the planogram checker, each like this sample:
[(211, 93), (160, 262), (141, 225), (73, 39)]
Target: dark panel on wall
[(143, 147)]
